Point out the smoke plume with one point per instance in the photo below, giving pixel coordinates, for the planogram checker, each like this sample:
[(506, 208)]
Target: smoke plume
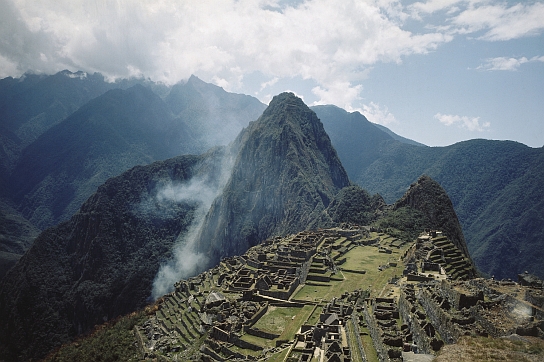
[(201, 190)]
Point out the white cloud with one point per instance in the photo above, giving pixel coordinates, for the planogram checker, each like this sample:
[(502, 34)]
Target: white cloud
[(326, 41), (500, 22), (424, 8), (505, 63), (376, 114), (332, 43), (496, 19), (342, 94), (469, 123), (7, 67), (269, 83)]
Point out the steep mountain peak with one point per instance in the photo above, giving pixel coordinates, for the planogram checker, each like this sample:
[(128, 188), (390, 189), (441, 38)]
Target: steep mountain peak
[(285, 174), (427, 196), (293, 108), (197, 82), (283, 100)]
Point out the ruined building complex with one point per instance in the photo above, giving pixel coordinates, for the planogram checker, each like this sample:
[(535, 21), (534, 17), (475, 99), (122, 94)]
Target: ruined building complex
[(343, 294)]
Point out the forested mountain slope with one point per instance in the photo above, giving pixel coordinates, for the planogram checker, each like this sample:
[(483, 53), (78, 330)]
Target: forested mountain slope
[(286, 173), (101, 263), (63, 135)]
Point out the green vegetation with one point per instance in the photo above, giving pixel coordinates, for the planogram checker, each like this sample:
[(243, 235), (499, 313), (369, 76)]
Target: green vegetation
[(368, 345), (277, 319), (113, 341), (354, 205), (279, 357), (405, 223), (367, 258)]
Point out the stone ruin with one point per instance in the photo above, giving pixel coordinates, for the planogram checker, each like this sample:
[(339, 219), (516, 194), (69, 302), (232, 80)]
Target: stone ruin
[(438, 301)]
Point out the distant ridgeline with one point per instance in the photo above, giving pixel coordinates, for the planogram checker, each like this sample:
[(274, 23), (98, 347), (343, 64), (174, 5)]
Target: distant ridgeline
[(62, 136), (280, 176), (495, 186)]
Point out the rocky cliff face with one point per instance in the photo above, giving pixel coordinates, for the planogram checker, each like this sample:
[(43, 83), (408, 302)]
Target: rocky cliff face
[(285, 175)]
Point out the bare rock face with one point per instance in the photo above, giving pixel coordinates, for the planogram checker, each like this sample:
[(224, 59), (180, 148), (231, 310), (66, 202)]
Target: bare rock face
[(427, 196), (285, 175)]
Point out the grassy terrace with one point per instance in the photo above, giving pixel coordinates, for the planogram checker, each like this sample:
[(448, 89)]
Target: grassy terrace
[(285, 321), (367, 258), (360, 258)]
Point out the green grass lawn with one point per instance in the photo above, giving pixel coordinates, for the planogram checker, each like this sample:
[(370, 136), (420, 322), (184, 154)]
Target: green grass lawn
[(369, 259), (285, 321), (314, 317), (276, 319), (370, 351), (314, 292), (366, 258)]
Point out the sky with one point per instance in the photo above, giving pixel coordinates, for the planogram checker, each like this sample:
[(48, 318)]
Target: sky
[(435, 71)]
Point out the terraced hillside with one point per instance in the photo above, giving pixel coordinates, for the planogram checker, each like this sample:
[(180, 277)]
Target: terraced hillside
[(342, 294)]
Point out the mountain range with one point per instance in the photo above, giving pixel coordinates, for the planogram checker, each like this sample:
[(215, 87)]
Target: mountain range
[(281, 175), (96, 165), (64, 135)]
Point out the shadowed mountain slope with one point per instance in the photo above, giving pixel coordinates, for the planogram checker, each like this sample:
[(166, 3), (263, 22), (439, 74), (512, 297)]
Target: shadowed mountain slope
[(37, 103), (116, 131), (72, 154), (356, 139), (112, 133), (100, 263), (16, 234)]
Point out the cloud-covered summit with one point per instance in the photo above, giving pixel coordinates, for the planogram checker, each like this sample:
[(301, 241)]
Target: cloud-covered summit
[(331, 42)]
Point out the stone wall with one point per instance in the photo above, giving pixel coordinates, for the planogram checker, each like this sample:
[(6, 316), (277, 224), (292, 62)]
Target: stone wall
[(262, 334), (419, 336), (438, 317), (243, 344), (375, 334), (250, 322)]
